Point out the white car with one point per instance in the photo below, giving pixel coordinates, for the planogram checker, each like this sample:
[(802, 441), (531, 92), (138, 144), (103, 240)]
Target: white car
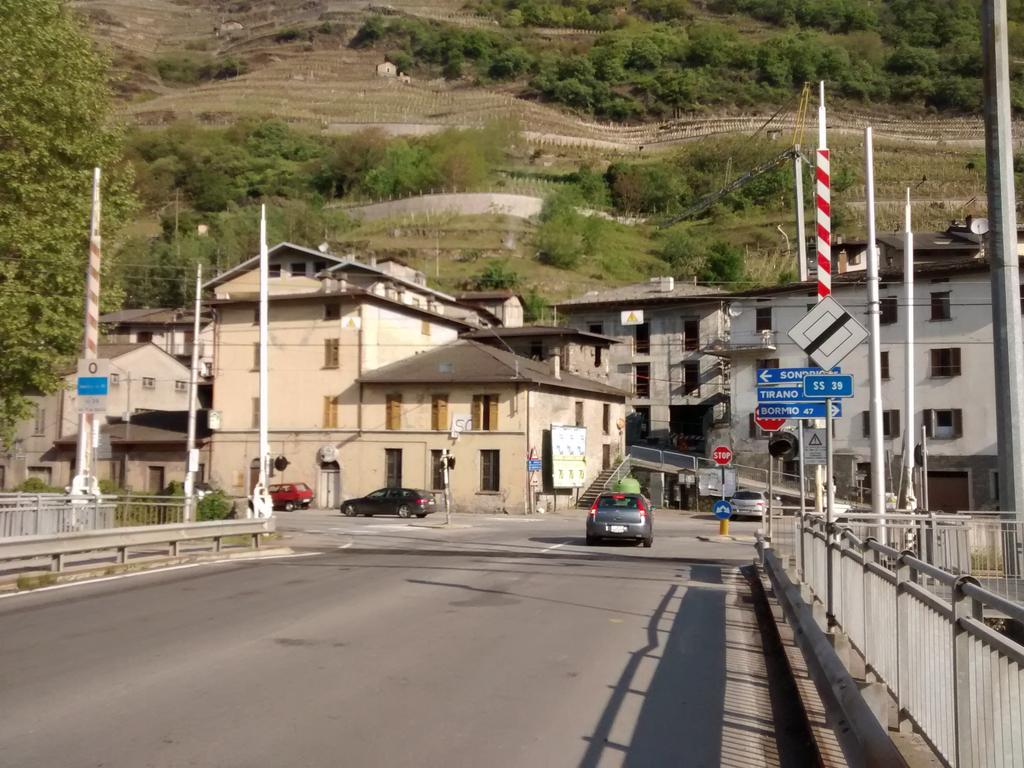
[(748, 504)]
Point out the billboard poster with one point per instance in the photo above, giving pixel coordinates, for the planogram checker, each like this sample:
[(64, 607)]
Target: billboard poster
[(568, 456)]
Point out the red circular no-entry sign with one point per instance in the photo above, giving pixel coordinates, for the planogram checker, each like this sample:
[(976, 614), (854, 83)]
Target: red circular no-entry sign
[(722, 455), (769, 425)]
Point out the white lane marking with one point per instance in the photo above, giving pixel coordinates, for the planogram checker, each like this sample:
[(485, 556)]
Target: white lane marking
[(554, 547), (346, 546), (152, 571)]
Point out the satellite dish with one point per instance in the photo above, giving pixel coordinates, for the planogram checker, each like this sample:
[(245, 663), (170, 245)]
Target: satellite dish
[(735, 310), (979, 226), (323, 247)]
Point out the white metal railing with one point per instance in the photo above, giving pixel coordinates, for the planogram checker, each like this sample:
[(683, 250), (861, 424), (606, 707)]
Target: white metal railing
[(49, 514), (921, 631)]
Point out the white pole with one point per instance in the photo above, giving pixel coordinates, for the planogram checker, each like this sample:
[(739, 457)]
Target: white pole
[(909, 432), (877, 447), (193, 385), (261, 505), (821, 115), (823, 255), (85, 480), (801, 234)]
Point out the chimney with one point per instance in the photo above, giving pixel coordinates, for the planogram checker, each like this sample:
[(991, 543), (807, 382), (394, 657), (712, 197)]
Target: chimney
[(556, 365)]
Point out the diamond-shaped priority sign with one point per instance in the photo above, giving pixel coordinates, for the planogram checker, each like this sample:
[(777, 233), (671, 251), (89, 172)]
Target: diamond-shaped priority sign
[(828, 333)]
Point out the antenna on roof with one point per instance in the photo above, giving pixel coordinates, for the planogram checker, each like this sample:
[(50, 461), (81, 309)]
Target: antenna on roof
[(324, 247)]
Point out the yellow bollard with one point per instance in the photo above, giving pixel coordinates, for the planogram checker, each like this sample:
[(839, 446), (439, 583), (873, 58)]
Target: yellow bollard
[(723, 527)]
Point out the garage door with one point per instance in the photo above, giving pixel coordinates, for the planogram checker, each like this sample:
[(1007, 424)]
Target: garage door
[(949, 491)]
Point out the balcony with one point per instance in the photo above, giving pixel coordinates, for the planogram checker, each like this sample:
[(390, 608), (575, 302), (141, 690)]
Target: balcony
[(741, 343)]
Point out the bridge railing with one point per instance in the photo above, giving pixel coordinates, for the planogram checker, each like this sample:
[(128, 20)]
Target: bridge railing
[(922, 632), (43, 514)]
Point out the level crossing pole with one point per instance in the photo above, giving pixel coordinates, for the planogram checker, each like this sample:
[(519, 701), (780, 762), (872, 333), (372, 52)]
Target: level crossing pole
[(84, 481), (1002, 246), (823, 189), (261, 503), (909, 500), (874, 345), (191, 460)]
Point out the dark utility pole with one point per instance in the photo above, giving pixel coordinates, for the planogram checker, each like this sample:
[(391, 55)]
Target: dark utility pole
[(1002, 253)]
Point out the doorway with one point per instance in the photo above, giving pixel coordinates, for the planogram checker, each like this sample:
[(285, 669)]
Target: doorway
[(328, 492), (606, 456), (949, 491), (154, 479)]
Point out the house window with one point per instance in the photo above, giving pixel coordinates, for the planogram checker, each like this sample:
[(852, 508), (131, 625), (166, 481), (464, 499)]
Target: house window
[(606, 418), (890, 423), (332, 311), (115, 379), (763, 319), (941, 306), (180, 386), (485, 413), (255, 412), (274, 270), (885, 365), (579, 413), (439, 412), (393, 412), (298, 269), (599, 328), (393, 467), (642, 340), (148, 382), (319, 266), (691, 335), (888, 310), (436, 470), (691, 378), (256, 356), (945, 362), (642, 380), (490, 471), (39, 427), (643, 419), (330, 420), (424, 328), (332, 352), (944, 424), (143, 337), (536, 350)]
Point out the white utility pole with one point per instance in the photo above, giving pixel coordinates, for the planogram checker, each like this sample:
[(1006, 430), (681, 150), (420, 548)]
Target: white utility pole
[(1002, 248), (801, 233), (875, 347), (192, 455), (909, 500), (85, 481), (261, 503)]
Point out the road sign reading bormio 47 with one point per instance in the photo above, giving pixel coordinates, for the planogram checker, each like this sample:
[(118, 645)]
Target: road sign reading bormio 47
[(828, 333)]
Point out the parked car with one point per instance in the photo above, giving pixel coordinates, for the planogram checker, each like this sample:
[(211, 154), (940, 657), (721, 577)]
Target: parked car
[(628, 516), (748, 504), (290, 495), (404, 502)]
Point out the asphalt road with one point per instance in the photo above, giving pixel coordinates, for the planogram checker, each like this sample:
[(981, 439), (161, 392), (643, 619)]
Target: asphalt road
[(500, 642)]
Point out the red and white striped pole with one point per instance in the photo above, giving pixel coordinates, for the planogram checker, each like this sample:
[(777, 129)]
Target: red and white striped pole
[(90, 341), (823, 205)]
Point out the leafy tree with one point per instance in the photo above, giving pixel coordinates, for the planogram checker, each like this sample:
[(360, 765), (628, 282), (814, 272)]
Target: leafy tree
[(54, 128), (497, 275)]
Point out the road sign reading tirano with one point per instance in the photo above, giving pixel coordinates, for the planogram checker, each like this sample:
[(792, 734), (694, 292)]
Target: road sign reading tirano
[(826, 385), (809, 409), (779, 394), (828, 333), (93, 385), (813, 448), (722, 455)]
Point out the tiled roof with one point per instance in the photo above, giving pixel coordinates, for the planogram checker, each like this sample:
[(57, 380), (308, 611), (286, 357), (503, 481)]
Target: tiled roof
[(643, 293)]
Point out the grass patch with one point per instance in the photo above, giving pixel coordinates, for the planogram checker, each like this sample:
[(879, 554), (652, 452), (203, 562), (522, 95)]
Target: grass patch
[(35, 581)]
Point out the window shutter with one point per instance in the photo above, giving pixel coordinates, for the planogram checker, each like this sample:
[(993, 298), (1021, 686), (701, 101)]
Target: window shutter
[(895, 423), (954, 360), (958, 422), (327, 412), (866, 423), (753, 426), (929, 422), (478, 412), (492, 412)]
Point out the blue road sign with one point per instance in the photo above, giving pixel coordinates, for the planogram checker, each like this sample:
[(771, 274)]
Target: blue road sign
[(780, 394), (809, 409), (533, 465), (722, 509), (827, 385), (93, 385), (787, 375)]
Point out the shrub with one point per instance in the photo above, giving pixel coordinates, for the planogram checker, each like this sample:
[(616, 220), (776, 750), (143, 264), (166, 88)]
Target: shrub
[(213, 506), (36, 485)]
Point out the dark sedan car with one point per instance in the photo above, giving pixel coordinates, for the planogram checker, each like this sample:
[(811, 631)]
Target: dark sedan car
[(621, 516), (404, 502)]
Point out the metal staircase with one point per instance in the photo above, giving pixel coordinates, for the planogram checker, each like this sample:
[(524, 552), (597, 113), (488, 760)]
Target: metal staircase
[(603, 482)]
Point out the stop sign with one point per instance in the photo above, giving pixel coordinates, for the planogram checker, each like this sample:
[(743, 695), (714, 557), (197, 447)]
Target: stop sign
[(722, 455), (769, 425)]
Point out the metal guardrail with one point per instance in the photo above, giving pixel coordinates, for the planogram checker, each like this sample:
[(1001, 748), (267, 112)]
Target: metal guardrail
[(46, 514), (921, 631), (58, 546)]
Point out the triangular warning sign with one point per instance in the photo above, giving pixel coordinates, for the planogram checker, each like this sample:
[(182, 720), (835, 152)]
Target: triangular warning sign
[(631, 318), (815, 439), (352, 323)]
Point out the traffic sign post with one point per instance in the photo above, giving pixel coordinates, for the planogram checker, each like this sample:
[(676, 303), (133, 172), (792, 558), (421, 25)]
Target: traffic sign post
[(808, 409), (828, 385), (722, 454), (787, 375), (722, 509), (813, 446), (93, 385), (828, 333)]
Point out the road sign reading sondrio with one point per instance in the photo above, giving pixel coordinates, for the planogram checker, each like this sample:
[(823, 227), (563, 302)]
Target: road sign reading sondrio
[(722, 455), (826, 385), (809, 409), (828, 333), (787, 375), (722, 509), (769, 425)]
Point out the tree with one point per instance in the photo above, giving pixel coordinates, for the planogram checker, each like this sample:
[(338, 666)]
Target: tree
[(54, 128)]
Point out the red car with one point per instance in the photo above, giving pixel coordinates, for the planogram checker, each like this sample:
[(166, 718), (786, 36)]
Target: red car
[(291, 495)]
